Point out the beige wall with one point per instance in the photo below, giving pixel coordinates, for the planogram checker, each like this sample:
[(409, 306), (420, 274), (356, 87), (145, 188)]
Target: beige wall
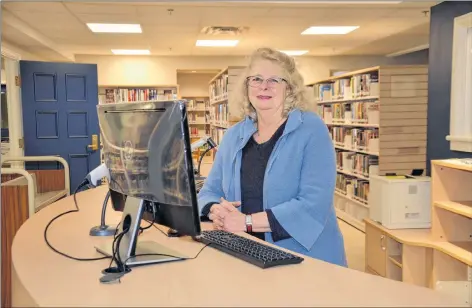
[(146, 70), (25, 55), (192, 85)]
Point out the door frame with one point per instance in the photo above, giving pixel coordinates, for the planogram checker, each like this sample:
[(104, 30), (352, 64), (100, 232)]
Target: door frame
[(15, 112)]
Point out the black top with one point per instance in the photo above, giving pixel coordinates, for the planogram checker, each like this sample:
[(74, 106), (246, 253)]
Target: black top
[(253, 166)]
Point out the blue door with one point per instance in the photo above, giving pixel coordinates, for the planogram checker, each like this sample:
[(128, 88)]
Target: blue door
[(59, 115)]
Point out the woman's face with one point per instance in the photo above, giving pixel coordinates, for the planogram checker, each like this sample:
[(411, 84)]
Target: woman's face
[(266, 86)]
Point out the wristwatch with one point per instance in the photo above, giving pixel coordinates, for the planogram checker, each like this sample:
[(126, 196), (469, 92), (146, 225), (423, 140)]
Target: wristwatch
[(248, 223)]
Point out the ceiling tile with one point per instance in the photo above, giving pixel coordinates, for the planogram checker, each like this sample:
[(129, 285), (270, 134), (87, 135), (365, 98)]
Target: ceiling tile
[(49, 20), (40, 7), (175, 32), (100, 8), (108, 18)]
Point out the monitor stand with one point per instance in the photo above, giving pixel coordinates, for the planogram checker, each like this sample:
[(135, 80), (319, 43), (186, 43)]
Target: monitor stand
[(132, 251)]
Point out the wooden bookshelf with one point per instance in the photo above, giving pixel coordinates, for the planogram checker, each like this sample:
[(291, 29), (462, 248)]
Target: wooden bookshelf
[(111, 94), (377, 118), (108, 94), (220, 88), (439, 257), (198, 111)]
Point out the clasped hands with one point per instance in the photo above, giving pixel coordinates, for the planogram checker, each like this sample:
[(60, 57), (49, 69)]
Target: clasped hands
[(225, 216)]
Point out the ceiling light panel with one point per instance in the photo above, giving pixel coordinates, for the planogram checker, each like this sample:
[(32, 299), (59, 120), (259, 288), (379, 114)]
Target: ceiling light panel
[(216, 43), (329, 30), (115, 28), (130, 51)]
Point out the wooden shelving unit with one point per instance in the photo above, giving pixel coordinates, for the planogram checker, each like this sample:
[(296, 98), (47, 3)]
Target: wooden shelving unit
[(198, 110), (377, 118), (108, 94), (439, 257), (220, 88)]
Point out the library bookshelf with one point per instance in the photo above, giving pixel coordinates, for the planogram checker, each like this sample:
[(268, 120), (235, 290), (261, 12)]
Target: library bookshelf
[(198, 111), (220, 88), (377, 118), (108, 94), (111, 94), (439, 257)]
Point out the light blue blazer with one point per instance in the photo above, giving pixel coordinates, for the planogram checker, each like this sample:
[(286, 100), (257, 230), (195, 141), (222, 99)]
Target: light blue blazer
[(298, 185)]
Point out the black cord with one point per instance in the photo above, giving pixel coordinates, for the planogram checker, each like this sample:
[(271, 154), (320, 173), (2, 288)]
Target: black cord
[(151, 223), (160, 230), (81, 185), (113, 246), (121, 266), (116, 254), (201, 159)]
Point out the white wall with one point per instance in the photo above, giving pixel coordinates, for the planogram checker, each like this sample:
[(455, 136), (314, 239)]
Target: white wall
[(145, 70), (25, 55), (193, 84), (148, 70)]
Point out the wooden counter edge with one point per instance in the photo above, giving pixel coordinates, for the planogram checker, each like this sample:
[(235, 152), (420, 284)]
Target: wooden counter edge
[(421, 238)]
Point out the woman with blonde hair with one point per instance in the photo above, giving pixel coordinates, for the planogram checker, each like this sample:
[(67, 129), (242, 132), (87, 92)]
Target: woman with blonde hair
[(275, 171)]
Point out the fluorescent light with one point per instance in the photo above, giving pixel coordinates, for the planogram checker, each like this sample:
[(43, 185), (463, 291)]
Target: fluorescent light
[(294, 52), (131, 51), (115, 28), (217, 43), (329, 30)]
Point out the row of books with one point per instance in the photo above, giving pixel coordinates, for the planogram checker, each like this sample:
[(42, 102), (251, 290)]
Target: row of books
[(219, 86), (364, 112), (360, 190), (354, 138), (217, 134), (220, 113), (199, 119), (199, 130), (356, 163), (353, 187), (198, 104), (361, 85), (138, 95)]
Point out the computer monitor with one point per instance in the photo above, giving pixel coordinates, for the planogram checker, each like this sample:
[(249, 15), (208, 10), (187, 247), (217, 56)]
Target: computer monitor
[(146, 147)]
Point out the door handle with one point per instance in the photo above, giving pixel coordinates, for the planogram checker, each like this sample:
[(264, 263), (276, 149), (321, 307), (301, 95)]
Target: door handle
[(94, 145)]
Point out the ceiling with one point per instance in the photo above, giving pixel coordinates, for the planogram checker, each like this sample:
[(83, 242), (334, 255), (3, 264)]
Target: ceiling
[(58, 29)]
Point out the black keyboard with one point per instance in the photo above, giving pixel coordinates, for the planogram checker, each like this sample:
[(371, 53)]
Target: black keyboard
[(248, 250)]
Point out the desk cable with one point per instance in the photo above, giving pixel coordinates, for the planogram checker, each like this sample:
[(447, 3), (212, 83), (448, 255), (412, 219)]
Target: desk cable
[(113, 274), (84, 183)]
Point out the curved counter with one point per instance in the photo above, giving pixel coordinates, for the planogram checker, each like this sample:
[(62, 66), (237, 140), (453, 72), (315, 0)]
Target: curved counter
[(44, 278)]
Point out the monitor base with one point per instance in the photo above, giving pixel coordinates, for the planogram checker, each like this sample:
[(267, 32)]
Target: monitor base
[(147, 252)]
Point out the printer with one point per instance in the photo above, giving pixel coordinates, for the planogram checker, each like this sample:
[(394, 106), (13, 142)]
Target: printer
[(400, 202)]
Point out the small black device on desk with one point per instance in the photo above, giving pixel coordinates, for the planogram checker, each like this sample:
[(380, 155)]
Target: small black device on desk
[(148, 154)]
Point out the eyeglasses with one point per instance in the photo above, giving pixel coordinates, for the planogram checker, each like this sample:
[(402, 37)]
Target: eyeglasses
[(256, 81)]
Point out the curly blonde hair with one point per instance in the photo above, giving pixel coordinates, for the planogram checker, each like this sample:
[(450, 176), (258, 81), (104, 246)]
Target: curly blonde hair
[(298, 96)]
